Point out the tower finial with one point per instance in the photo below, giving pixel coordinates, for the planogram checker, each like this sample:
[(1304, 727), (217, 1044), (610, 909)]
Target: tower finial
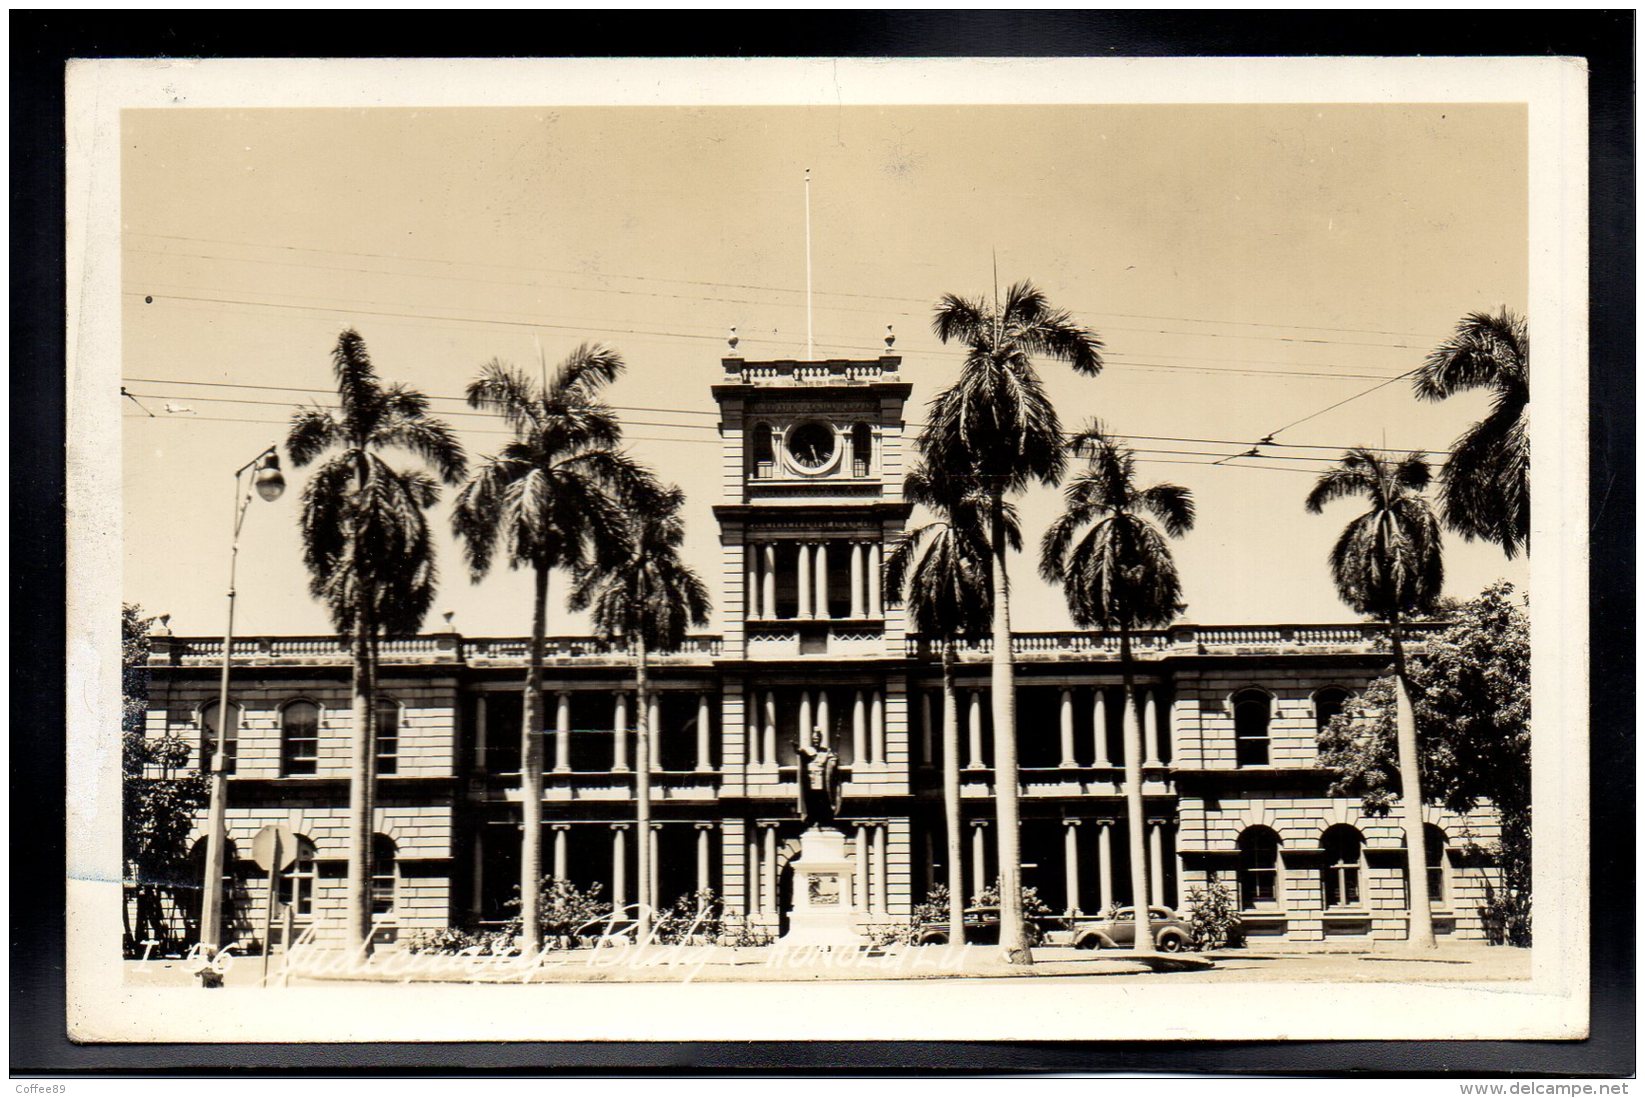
[(731, 341), (890, 338)]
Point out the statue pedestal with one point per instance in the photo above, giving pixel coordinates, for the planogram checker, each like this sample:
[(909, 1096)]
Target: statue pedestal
[(823, 912)]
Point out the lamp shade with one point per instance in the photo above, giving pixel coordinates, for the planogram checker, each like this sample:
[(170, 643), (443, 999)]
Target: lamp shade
[(268, 479)]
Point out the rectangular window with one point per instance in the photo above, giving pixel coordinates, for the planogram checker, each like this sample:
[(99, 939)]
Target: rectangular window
[(388, 739), (300, 738)]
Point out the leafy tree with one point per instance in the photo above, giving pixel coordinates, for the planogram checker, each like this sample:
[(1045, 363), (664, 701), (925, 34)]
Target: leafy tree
[(367, 549), (1485, 488), (1119, 576), (160, 796), (1471, 693), (547, 499), (940, 570), (564, 912), (998, 422), (1214, 916), (1387, 563), (650, 598)]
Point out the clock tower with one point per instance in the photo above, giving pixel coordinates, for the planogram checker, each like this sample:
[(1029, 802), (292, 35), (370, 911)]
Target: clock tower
[(812, 471)]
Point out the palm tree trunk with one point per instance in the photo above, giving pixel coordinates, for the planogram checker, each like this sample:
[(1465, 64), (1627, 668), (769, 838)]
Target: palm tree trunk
[(531, 773), (642, 789), (1013, 932), (360, 798), (1134, 821), (1410, 783), (951, 797)]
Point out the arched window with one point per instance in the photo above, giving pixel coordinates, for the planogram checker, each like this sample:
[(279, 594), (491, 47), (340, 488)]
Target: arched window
[(1258, 868), (208, 737), (297, 885), (862, 449), (763, 454), (1343, 848), (385, 874), (1252, 710), (299, 738), (388, 736), (1434, 852), (1327, 704)]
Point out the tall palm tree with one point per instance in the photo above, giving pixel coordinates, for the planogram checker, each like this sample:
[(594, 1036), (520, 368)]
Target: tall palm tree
[(1485, 487), (940, 571), (367, 549), (1388, 564), (1119, 576), (998, 421), (649, 598), (549, 500)]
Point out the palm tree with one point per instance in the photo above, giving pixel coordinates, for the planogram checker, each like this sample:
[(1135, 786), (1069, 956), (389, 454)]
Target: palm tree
[(1388, 564), (998, 422), (549, 499), (367, 549), (649, 598), (1119, 576), (940, 570), (1485, 487)]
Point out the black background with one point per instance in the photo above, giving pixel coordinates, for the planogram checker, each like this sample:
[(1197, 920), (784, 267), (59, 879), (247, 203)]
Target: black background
[(41, 42)]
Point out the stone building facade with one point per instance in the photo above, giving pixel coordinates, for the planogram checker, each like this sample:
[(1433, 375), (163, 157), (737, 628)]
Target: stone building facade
[(812, 464)]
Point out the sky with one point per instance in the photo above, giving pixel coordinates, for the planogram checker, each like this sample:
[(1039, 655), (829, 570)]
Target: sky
[(1252, 270)]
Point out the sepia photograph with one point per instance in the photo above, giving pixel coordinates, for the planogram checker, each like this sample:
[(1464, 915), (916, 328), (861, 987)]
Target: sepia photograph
[(745, 550)]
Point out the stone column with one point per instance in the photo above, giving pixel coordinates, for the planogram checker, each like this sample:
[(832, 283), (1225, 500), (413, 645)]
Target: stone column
[(1071, 864), (705, 729), (1105, 863), (656, 844), (479, 731), (562, 734), (881, 876), (768, 751), (560, 831), (927, 755), (824, 722), (858, 607), (974, 762), (876, 727), (769, 877), (859, 879), (619, 733), (1099, 727), (859, 731), (753, 729), (1067, 717), (768, 583), (807, 722), (1156, 863), (876, 581), (619, 866), (477, 879), (705, 837), (979, 857), (1150, 728), (821, 592), (751, 587), (755, 893), (654, 725), (803, 579)]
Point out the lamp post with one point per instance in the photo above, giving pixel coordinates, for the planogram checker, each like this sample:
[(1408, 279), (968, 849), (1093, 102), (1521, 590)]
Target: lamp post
[(269, 484)]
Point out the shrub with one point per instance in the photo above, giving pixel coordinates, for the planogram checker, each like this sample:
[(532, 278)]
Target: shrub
[(696, 916), (450, 941), (564, 912), (1214, 917)]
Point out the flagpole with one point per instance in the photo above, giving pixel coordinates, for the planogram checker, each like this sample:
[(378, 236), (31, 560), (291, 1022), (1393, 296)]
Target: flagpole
[(809, 353)]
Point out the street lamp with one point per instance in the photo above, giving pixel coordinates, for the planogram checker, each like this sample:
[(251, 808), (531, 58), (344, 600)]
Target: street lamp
[(269, 484)]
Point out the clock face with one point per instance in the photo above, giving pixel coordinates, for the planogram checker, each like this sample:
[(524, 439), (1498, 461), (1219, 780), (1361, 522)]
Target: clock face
[(811, 445)]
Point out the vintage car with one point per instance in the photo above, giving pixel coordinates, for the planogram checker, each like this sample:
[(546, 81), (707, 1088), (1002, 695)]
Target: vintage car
[(1171, 934), (982, 927)]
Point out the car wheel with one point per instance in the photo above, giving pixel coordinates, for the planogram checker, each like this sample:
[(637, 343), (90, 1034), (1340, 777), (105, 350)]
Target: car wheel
[(1171, 943), (934, 940), (1087, 942)]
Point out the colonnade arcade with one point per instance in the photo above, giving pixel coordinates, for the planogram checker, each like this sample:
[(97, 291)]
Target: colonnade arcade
[(815, 578)]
